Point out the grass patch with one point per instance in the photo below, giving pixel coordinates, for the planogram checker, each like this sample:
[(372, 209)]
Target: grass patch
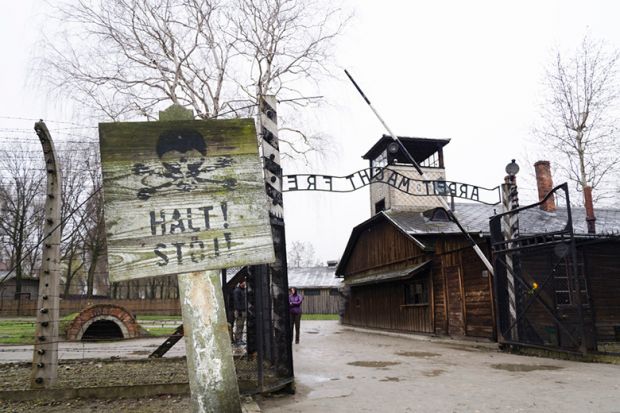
[(161, 331), (69, 317), (16, 332), (22, 331), (319, 317)]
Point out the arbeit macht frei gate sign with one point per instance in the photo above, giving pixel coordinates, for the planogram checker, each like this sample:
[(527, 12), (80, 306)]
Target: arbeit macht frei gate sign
[(183, 196)]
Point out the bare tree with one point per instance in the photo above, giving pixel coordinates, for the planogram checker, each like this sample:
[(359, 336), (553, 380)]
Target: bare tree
[(93, 236), (578, 119), (214, 56), (301, 254), (149, 54), (73, 193), (21, 206), (284, 42)]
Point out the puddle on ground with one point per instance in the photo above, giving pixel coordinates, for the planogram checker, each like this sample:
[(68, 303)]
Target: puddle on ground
[(390, 379), (311, 379), (420, 354), (375, 364), (311, 332), (524, 367), (350, 377), (433, 373)]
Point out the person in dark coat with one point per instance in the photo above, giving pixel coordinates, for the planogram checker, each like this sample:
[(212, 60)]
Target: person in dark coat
[(294, 303), (240, 306)]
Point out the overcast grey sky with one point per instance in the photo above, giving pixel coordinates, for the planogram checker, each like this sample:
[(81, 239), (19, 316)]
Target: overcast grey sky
[(470, 71)]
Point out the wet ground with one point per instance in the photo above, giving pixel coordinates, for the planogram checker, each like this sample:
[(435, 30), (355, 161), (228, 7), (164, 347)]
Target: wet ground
[(339, 369), (345, 370)]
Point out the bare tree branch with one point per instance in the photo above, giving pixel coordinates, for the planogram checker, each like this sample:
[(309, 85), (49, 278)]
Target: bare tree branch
[(213, 56), (578, 118)]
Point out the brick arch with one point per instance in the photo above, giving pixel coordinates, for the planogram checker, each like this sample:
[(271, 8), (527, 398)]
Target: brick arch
[(110, 312)]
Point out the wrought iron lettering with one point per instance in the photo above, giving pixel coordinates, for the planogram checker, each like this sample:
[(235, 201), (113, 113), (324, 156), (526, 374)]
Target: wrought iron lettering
[(378, 175)]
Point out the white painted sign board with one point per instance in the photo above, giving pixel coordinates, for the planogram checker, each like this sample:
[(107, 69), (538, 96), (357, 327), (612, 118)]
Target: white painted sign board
[(183, 196)]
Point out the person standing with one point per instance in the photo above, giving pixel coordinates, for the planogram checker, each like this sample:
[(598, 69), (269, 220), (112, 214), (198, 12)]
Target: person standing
[(294, 302), (240, 311)]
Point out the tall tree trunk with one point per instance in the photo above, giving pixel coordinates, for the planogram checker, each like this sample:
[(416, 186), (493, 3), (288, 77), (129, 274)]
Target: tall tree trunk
[(19, 250), (68, 277), (90, 280)]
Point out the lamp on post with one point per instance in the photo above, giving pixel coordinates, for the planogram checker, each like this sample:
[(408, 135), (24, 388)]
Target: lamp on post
[(512, 168)]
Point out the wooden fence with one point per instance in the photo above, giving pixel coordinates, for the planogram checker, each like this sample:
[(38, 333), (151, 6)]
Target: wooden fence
[(320, 301), (24, 307), (316, 301)]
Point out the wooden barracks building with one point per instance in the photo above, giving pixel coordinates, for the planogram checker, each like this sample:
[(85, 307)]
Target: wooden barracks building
[(408, 268)]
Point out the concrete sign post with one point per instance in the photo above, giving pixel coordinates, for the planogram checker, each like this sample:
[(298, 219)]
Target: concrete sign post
[(182, 197), (45, 357)]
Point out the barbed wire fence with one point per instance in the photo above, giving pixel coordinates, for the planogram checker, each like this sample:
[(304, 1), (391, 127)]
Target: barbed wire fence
[(80, 142)]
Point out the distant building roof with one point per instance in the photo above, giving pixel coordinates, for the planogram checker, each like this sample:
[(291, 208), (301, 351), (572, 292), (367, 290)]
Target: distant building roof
[(313, 277), (475, 218), (6, 276)]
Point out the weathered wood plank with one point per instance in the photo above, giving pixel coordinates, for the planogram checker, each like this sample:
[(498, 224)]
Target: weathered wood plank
[(183, 196)]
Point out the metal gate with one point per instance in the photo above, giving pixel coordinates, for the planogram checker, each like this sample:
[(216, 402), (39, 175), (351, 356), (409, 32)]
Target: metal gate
[(540, 284), (263, 359)]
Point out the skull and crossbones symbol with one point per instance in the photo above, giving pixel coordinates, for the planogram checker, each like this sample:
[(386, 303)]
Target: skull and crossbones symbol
[(183, 165)]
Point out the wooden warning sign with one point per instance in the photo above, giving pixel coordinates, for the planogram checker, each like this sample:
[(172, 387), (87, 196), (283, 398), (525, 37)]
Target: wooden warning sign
[(183, 196)]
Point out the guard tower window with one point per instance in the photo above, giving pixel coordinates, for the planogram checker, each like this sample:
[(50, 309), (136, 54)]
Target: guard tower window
[(380, 206), (431, 162), (380, 161)]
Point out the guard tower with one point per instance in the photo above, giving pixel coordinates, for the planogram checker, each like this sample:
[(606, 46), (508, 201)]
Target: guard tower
[(428, 153)]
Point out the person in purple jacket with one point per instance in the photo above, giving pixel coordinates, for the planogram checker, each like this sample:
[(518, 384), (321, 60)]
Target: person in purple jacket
[(294, 303)]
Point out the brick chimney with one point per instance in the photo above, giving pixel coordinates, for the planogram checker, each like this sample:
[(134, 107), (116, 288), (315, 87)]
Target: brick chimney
[(544, 182), (590, 218)]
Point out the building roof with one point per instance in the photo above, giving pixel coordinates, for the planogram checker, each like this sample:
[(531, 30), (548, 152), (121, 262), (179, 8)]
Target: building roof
[(475, 218), (396, 275), (6, 276), (359, 229), (313, 277), (419, 148)]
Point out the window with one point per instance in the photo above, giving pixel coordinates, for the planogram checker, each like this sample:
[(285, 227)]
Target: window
[(380, 206), (380, 161), (431, 162), (560, 278), (416, 292), (312, 291), (437, 215), (333, 291)]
